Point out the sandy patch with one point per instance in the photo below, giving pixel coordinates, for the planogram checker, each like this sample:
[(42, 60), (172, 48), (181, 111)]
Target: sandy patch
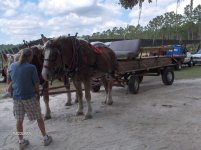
[(157, 118)]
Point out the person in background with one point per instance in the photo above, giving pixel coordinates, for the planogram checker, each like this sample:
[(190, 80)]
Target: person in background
[(25, 92)]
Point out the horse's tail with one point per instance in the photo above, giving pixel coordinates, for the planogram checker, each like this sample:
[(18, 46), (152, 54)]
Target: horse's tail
[(116, 65)]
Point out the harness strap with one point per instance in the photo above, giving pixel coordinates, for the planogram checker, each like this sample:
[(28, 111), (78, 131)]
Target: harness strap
[(69, 71), (77, 60), (45, 66)]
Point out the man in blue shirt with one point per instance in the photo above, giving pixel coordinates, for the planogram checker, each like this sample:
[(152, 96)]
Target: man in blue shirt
[(25, 91)]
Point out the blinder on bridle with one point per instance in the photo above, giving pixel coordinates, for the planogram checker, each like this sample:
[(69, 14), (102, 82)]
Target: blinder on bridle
[(53, 56), (53, 52), (63, 69)]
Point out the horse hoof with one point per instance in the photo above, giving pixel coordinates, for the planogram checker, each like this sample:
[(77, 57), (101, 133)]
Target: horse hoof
[(88, 116), (79, 113), (68, 104), (47, 117), (110, 103)]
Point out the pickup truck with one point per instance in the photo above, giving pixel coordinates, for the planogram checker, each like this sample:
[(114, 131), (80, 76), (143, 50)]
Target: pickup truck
[(196, 58)]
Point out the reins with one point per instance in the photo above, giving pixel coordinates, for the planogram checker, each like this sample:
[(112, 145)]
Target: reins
[(74, 67), (69, 71)]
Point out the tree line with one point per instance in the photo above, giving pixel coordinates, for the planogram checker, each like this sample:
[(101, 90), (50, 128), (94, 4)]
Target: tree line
[(169, 26), (6, 46)]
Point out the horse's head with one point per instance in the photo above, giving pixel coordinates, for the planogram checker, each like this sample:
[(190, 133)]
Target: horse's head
[(11, 58), (8, 60), (52, 60)]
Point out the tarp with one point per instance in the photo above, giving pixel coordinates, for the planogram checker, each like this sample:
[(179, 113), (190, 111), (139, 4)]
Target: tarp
[(126, 49)]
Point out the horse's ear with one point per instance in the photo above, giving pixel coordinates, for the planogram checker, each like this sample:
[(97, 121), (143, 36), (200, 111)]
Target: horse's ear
[(44, 39), (49, 44)]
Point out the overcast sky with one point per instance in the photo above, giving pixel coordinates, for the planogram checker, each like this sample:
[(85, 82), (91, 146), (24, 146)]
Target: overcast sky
[(27, 19)]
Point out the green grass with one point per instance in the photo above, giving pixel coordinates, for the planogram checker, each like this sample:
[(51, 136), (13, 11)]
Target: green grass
[(188, 73), (185, 73)]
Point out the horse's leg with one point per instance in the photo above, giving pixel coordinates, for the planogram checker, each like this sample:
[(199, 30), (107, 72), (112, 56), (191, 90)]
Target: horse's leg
[(46, 101), (79, 96), (110, 84), (105, 84), (76, 97), (87, 87), (67, 85)]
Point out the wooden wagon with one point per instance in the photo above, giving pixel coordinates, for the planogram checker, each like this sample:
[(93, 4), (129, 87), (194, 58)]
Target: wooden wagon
[(134, 62)]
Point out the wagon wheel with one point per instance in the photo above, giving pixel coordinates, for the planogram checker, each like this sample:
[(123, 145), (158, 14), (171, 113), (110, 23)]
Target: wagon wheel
[(95, 85), (190, 64), (133, 84), (95, 88), (140, 79), (178, 66), (168, 76)]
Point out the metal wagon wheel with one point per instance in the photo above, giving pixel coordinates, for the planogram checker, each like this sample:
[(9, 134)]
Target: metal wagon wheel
[(134, 84), (167, 76), (95, 88)]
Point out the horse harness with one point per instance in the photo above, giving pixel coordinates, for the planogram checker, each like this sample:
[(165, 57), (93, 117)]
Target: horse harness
[(77, 60)]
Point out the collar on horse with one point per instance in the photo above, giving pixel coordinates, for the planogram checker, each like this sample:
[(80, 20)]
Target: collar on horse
[(78, 58), (69, 71)]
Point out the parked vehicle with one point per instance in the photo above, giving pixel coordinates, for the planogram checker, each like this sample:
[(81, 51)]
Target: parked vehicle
[(132, 66), (179, 56), (196, 58), (188, 59)]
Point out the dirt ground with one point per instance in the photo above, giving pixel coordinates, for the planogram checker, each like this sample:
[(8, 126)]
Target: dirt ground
[(159, 117)]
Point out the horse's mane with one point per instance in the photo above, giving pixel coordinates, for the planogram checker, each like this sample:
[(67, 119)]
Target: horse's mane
[(38, 59), (37, 46), (63, 37)]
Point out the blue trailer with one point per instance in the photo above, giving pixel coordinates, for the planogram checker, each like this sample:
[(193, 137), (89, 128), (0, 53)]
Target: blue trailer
[(179, 55)]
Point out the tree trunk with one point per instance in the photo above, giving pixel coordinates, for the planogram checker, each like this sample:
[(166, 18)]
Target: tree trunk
[(199, 34), (191, 5)]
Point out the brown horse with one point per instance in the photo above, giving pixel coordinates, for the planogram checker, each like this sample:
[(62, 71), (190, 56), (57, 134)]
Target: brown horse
[(8, 59), (38, 62), (81, 61)]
